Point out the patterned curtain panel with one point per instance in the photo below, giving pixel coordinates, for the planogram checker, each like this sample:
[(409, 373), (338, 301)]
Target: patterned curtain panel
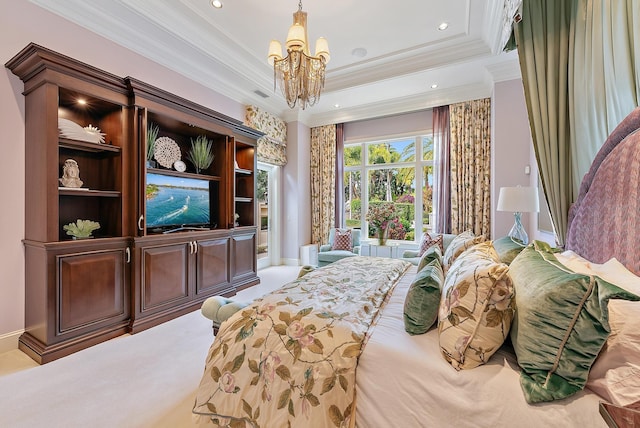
[(272, 148), (323, 176), (470, 124)]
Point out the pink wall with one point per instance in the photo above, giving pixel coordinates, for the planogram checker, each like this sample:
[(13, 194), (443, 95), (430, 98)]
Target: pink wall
[(296, 221), (510, 152), (394, 125)]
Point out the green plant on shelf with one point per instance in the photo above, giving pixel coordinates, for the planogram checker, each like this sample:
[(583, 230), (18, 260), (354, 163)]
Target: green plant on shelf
[(201, 154), (152, 136), (81, 229)]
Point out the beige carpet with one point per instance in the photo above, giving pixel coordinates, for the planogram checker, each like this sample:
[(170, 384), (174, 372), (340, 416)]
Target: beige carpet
[(144, 380)]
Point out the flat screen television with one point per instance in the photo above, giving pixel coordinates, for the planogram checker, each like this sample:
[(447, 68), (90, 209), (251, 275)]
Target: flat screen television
[(175, 203)]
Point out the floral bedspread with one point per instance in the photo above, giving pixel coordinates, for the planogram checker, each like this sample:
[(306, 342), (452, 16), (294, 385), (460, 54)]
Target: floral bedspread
[(289, 359)]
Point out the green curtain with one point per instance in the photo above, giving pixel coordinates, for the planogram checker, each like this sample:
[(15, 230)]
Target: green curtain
[(580, 64), (604, 83), (470, 158), (323, 177), (543, 49)]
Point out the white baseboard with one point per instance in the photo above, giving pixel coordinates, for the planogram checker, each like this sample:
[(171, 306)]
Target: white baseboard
[(290, 262), (9, 341)]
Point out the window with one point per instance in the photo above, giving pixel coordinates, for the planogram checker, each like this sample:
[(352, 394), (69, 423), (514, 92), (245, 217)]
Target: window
[(388, 170)]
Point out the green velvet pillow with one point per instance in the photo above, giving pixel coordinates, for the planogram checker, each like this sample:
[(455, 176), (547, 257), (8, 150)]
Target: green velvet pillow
[(560, 325), (508, 248), (432, 253), (423, 299)]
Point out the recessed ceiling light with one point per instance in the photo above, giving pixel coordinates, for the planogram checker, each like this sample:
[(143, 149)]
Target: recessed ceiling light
[(435, 85), (216, 3), (82, 101), (336, 105), (359, 52), (443, 26)]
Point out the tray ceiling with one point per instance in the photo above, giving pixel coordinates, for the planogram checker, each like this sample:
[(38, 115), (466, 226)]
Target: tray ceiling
[(225, 49)]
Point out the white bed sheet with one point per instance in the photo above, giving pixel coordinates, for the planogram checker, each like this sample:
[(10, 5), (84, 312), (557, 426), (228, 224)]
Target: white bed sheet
[(403, 381)]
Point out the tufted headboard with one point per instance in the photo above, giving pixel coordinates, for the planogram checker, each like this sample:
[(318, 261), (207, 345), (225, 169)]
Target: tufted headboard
[(605, 218)]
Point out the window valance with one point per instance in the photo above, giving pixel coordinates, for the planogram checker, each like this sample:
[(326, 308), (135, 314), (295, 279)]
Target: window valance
[(272, 148)]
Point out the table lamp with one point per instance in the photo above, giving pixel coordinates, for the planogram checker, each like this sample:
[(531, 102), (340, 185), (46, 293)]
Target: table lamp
[(518, 200)]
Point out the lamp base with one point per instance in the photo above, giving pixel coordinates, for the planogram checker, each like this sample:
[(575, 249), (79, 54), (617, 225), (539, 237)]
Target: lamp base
[(517, 231)]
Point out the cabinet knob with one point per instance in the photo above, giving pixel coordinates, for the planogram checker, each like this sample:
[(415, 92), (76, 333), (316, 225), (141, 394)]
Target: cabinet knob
[(140, 220)]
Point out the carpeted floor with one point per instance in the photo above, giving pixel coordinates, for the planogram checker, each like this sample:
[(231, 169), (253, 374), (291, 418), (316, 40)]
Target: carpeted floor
[(143, 380)]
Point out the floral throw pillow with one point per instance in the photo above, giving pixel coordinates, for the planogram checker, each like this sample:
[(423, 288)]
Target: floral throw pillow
[(428, 241), (342, 240), (458, 245), (476, 309)]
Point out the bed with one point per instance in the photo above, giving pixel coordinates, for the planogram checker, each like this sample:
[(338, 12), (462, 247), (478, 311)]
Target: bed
[(362, 369)]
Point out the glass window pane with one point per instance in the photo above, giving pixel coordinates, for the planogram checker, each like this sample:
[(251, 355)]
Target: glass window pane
[(392, 152), (353, 155), (396, 185), (427, 199), (352, 199), (427, 147), (262, 194)]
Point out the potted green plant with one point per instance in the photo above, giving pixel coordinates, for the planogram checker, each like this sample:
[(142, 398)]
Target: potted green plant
[(81, 229), (152, 136), (201, 154)]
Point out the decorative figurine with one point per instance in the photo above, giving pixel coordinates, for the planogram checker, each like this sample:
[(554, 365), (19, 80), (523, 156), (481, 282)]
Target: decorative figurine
[(71, 174), (81, 229)]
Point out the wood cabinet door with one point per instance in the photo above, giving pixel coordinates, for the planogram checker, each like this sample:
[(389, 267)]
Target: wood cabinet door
[(212, 266), (92, 290), (244, 255), (165, 275)]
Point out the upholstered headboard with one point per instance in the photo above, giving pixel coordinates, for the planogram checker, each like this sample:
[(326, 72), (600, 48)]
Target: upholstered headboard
[(605, 218)]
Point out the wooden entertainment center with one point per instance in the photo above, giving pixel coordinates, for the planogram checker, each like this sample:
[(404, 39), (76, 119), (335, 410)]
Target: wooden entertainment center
[(129, 277)]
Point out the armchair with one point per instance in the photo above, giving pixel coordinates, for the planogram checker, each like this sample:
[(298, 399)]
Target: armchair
[(412, 255), (328, 255)]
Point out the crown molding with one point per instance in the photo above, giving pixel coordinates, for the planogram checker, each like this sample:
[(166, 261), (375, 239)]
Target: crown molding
[(390, 107), (509, 69), (366, 73)]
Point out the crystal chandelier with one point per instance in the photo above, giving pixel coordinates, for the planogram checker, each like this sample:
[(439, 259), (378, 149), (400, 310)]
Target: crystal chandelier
[(300, 75)]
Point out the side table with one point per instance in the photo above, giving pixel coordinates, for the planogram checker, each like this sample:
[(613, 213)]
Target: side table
[(621, 417), (390, 250)]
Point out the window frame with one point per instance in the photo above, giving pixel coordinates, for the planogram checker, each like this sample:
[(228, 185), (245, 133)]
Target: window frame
[(365, 168)]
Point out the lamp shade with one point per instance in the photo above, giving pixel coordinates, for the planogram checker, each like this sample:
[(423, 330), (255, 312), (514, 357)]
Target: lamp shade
[(518, 199), (275, 51), (322, 49), (296, 37)]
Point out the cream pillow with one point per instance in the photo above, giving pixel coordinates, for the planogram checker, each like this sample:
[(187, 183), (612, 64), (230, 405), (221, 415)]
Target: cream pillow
[(460, 243), (615, 374), (476, 308)]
